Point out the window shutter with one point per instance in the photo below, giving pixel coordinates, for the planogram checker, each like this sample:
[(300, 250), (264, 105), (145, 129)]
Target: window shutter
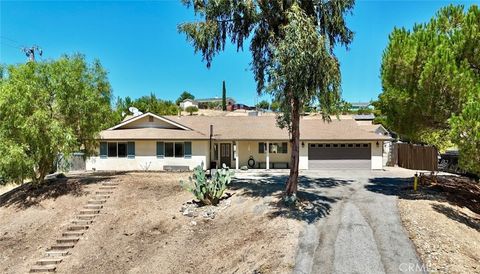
[(261, 148), (131, 150), (284, 147), (103, 149), (188, 150), (160, 150)]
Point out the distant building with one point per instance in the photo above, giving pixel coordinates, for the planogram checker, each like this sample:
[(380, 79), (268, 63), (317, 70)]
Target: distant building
[(238, 107), (188, 103), (204, 103), (360, 105)]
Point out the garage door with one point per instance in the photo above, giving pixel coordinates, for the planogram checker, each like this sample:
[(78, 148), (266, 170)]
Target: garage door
[(339, 156)]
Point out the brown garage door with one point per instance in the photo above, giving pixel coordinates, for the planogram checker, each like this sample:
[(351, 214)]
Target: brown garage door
[(339, 156)]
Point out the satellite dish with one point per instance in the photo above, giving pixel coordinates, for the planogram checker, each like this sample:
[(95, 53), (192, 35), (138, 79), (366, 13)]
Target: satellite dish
[(135, 111)]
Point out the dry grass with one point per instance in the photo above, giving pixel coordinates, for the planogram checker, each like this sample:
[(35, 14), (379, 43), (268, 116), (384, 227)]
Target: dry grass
[(142, 230)]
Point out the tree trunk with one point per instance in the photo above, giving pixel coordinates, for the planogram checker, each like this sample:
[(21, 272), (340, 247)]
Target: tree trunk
[(292, 183)]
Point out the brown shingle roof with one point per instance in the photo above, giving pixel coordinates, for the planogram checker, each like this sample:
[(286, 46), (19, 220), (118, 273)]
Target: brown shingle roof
[(265, 128), (370, 128), (247, 128)]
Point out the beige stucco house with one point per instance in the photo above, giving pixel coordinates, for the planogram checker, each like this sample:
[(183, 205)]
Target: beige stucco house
[(152, 142)]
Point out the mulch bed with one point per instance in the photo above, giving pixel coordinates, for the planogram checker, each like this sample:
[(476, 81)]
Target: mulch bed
[(462, 191)]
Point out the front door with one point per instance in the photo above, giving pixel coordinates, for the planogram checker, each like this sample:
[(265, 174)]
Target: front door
[(225, 154)]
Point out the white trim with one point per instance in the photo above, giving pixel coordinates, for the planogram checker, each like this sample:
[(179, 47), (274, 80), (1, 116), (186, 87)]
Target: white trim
[(237, 161), (150, 114), (268, 156), (384, 129)]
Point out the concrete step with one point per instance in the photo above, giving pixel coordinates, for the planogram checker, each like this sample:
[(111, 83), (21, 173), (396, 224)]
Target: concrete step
[(86, 216), (62, 246), (82, 222), (43, 268), (49, 261), (89, 211), (68, 240), (77, 227), (75, 233), (96, 202), (57, 253), (107, 187), (93, 206), (103, 192)]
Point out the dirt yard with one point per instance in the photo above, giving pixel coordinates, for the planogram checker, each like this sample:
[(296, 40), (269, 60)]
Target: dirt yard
[(442, 225), (141, 229)]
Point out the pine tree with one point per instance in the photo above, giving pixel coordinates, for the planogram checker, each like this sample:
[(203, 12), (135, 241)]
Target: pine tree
[(224, 97)]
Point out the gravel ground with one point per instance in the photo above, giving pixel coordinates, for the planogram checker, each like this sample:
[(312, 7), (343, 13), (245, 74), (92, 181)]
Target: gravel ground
[(354, 225), (446, 236)]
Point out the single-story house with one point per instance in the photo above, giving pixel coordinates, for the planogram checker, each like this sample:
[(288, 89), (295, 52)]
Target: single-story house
[(188, 103), (152, 142)]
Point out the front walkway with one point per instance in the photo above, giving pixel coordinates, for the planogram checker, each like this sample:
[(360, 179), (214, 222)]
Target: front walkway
[(357, 228)]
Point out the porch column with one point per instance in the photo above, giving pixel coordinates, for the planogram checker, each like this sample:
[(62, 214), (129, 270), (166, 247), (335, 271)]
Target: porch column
[(236, 155), (268, 156)]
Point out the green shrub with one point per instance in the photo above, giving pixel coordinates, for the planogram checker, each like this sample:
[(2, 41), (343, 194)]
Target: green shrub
[(208, 191), (191, 109)]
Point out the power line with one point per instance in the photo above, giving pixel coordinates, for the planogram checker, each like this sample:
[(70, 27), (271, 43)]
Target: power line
[(6, 38), (10, 42), (10, 45), (29, 51)]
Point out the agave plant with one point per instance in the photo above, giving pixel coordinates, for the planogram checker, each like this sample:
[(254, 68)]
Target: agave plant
[(208, 191)]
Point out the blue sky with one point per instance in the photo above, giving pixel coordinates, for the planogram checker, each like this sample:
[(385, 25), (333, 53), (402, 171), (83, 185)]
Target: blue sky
[(138, 43)]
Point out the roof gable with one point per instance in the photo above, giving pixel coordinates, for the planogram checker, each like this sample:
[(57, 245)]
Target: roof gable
[(188, 100), (143, 121)]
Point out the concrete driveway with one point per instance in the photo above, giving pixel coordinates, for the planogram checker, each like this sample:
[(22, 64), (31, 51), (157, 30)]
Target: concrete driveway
[(356, 228)]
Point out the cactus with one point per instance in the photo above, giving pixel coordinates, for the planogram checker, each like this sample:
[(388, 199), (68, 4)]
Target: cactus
[(208, 191)]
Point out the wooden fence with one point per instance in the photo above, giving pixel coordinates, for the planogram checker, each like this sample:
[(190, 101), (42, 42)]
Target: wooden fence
[(415, 156)]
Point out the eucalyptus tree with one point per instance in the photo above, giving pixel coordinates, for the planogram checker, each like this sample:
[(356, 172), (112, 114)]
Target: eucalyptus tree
[(292, 46)]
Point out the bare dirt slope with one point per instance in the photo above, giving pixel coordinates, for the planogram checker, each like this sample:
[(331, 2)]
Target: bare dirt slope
[(141, 230), (443, 227), (31, 218)]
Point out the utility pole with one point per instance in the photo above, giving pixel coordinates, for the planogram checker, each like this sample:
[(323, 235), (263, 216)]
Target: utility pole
[(30, 52)]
